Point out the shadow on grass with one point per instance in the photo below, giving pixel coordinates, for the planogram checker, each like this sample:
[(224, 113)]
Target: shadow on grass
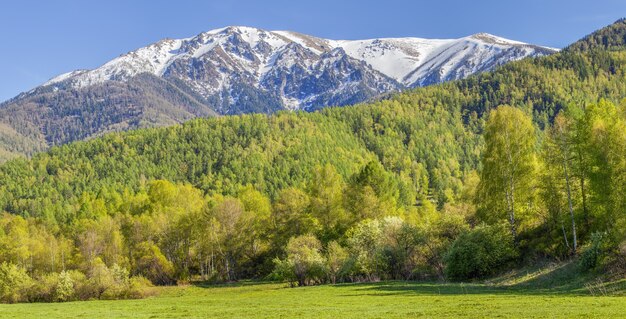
[(554, 279), (562, 280), (557, 279), (234, 284), (419, 288), (392, 288)]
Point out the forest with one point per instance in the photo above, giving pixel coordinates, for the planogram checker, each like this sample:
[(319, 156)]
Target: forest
[(458, 181)]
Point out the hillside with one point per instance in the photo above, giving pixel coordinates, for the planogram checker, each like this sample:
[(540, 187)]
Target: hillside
[(237, 70), (461, 180), (437, 128)]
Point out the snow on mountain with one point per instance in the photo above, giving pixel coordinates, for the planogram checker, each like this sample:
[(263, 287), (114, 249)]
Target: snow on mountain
[(298, 71)]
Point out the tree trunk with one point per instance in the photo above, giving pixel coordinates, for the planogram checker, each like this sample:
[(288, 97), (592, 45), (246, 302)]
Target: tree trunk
[(571, 206), (511, 192), (582, 191), (511, 210), (564, 233)]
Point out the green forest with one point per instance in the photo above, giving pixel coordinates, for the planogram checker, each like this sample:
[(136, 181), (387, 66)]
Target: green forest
[(458, 181)]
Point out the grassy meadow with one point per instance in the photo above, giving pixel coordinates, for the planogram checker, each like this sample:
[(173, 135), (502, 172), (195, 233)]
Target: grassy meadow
[(544, 293)]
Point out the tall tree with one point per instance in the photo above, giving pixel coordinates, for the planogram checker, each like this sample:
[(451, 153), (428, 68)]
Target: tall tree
[(604, 132), (508, 163), (326, 198), (559, 154)]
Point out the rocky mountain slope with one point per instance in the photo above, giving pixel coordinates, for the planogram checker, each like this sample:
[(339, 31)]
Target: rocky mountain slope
[(238, 70)]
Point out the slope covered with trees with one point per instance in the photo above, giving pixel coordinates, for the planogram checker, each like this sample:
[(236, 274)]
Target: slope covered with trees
[(459, 180)]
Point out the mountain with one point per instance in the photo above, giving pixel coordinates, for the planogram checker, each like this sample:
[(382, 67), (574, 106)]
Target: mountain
[(298, 71), (429, 138), (237, 70), (611, 37), (238, 188)]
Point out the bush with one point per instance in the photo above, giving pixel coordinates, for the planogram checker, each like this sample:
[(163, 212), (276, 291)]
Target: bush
[(140, 287), (284, 270), (44, 288), (15, 284), (102, 283), (336, 261), (593, 252), (480, 252), (100, 280), (151, 263), (304, 263), (82, 291), (52, 287), (365, 245), (65, 287)]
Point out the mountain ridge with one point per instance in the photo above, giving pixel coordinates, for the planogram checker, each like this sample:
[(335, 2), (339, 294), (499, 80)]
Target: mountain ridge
[(236, 70), (358, 49)]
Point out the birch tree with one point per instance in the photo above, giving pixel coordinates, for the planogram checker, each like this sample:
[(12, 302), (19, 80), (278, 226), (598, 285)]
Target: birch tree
[(559, 154), (508, 169)]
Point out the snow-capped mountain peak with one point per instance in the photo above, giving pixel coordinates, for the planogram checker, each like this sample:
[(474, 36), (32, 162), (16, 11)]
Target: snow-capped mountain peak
[(289, 66)]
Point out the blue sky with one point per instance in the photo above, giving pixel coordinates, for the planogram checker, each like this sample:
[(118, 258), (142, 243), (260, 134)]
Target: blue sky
[(41, 39)]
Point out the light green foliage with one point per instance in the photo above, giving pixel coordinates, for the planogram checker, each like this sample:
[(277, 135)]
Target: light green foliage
[(372, 193), (364, 242), (509, 168), (65, 287), (386, 187), (399, 247), (151, 263), (561, 187), (102, 239), (435, 238), (14, 283), (383, 248), (326, 199), (337, 261), (100, 279), (291, 216), (304, 263), (603, 129)]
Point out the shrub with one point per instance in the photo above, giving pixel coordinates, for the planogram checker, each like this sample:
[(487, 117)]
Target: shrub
[(304, 263), (593, 252), (480, 252), (14, 283), (44, 288), (365, 245), (100, 279), (336, 261), (65, 287), (151, 263), (140, 287), (383, 248), (102, 283), (119, 287), (82, 291), (283, 270)]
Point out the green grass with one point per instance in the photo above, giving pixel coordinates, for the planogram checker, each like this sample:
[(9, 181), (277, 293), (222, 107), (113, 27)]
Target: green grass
[(381, 300), (549, 292)]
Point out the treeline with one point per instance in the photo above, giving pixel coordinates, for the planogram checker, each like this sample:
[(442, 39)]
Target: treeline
[(428, 138), (555, 194), (48, 116), (612, 37), (169, 233), (433, 183)]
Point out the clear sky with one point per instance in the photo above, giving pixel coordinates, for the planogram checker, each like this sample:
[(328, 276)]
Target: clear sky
[(41, 39)]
